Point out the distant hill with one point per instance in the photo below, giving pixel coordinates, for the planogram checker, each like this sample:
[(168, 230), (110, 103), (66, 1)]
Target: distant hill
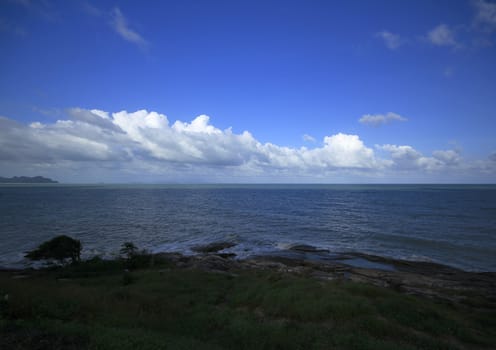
[(26, 180)]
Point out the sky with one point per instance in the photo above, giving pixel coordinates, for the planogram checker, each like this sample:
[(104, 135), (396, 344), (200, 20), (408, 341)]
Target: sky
[(249, 91)]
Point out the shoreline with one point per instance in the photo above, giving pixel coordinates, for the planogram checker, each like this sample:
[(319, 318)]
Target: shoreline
[(421, 278), (432, 280), (302, 299), (298, 251)]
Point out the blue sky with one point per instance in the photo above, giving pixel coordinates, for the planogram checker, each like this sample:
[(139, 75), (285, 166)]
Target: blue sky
[(375, 91)]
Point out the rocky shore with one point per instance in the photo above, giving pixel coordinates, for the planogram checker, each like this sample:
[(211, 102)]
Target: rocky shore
[(425, 279), (300, 298)]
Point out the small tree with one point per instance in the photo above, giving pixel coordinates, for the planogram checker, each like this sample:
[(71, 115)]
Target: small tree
[(129, 250), (58, 248)]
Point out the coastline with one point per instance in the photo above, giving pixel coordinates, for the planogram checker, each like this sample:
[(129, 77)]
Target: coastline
[(421, 278), (303, 298)]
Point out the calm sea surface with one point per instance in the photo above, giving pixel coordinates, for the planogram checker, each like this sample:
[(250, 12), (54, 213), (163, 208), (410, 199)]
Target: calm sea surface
[(454, 225)]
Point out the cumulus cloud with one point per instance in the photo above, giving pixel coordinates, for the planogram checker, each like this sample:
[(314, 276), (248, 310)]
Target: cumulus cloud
[(447, 157), (92, 145), (121, 27), (392, 41), (408, 158), (72, 140), (94, 135), (381, 119), (442, 35), (94, 117), (344, 150)]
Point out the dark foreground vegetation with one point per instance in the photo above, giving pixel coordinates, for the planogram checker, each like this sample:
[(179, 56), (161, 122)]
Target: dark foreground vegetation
[(101, 304), (58, 248)]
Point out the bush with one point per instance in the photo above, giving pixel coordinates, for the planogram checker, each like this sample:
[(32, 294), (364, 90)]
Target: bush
[(129, 250), (135, 258), (59, 248)]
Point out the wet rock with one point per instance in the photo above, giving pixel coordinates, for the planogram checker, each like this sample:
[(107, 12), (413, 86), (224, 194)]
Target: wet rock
[(213, 247), (307, 249), (417, 278), (226, 255)]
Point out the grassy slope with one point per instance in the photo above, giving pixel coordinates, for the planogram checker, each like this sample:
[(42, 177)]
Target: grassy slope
[(97, 307)]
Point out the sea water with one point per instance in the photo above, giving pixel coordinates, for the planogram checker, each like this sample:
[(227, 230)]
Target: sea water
[(449, 224)]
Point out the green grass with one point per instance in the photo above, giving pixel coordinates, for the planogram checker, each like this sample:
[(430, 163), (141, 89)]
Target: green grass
[(95, 305)]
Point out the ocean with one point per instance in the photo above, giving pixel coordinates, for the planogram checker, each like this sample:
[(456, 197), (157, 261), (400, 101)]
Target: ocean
[(449, 224)]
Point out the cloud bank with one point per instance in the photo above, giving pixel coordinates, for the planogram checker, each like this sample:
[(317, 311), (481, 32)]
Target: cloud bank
[(92, 145)]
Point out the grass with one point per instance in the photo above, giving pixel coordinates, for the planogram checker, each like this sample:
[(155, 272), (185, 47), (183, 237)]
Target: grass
[(96, 305)]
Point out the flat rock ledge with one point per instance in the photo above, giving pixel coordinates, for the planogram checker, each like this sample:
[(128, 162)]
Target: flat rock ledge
[(212, 247), (415, 278)]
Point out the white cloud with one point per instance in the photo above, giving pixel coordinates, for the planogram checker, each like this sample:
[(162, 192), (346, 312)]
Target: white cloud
[(408, 158), (94, 145), (404, 157), (392, 41), (349, 151), (148, 139), (486, 13), (63, 140), (448, 157), (93, 117), (442, 35), (308, 138), (121, 27), (381, 119)]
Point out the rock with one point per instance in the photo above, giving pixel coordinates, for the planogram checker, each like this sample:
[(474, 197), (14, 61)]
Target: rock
[(307, 249), (226, 255), (213, 263), (417, 278), (169, 257), (213, 247), (266, 265)]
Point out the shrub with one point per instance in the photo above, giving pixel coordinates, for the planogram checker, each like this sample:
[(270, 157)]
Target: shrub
[(59, 248), (129, 250)]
